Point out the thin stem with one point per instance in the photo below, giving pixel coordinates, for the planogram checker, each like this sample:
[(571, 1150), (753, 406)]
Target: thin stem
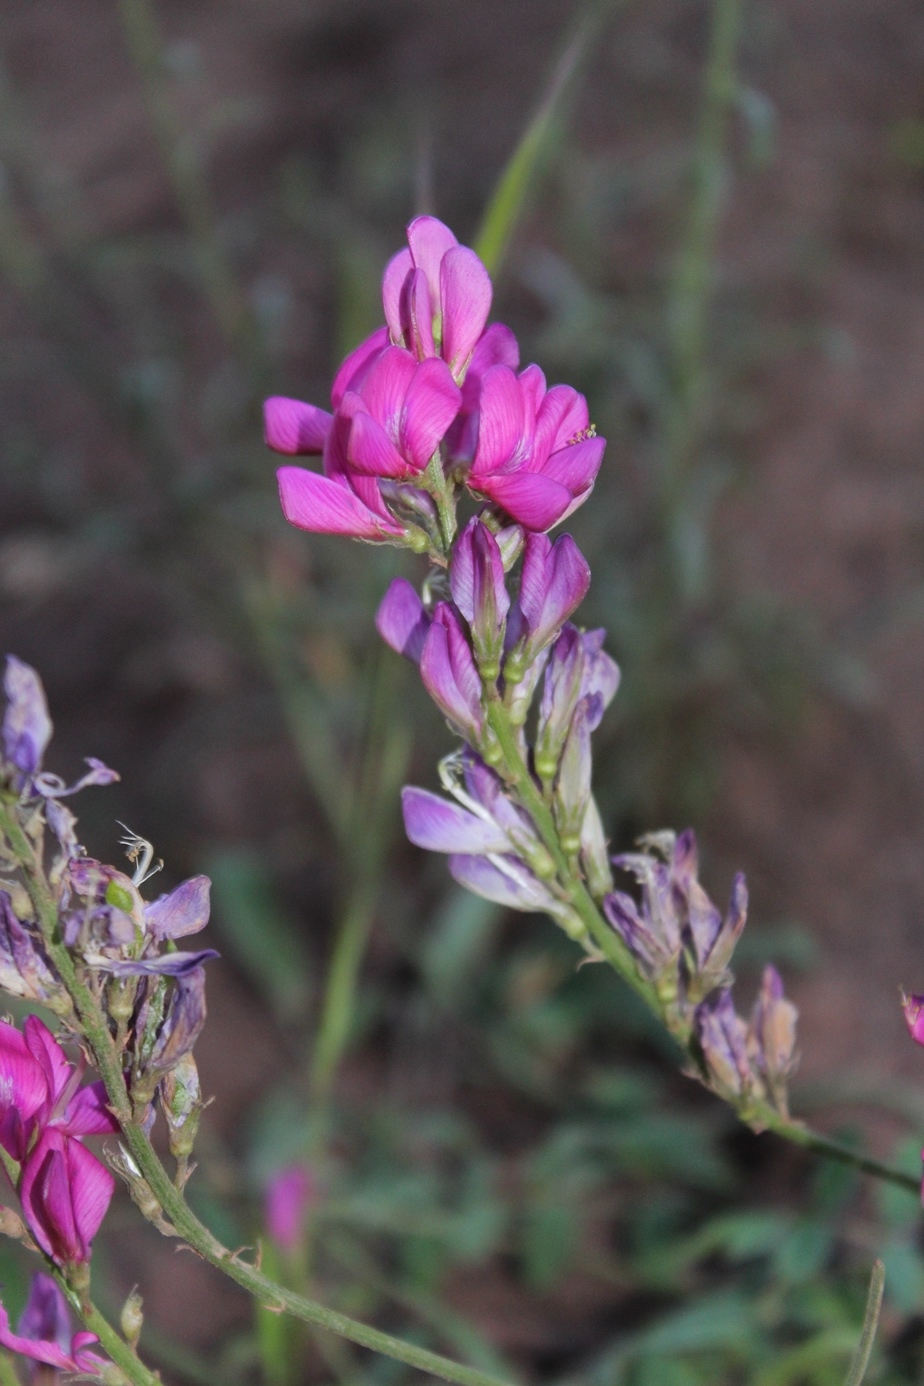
[(870, 1323), (121, 1353), (759, 1115)]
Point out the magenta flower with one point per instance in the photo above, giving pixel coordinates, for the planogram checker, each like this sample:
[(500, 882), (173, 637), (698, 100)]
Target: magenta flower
[(437, 296), (289, 1196), (45, 1332), (537, 455), (391, 414), (63, 1188), (402, 620)]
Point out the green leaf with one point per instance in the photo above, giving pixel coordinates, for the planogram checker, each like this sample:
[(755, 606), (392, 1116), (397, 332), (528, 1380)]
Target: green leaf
[(870, 1322)]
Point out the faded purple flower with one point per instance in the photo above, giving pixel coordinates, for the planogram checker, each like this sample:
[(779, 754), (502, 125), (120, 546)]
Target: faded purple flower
[(290, 1194), (723, 1036), (26, 724), (772, 1036), (183, 911)]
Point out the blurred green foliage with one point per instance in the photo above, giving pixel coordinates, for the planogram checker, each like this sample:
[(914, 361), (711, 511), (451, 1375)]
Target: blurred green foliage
[(508, 1166)]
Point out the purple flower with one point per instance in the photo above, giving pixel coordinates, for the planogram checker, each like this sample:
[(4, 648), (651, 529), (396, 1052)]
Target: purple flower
[(712, 939), (537, 455), (449, 673), (652, 932), (723, 1036), (572, 788), (290, 1194), (437, 296), (402, 620), (26, 723), (44, 1332), (483, 820), (506, 881), (578, 669), (23, 968), (184, 911), (63, 1188), (553, 583), (479, 590)]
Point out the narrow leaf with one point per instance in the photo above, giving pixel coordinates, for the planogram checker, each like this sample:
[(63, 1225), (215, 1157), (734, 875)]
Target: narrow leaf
[(870, 1322)]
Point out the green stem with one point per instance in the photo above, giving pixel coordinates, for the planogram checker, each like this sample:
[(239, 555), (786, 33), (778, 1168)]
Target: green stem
[(760, 1115), (337, 1012), (121, 1353)]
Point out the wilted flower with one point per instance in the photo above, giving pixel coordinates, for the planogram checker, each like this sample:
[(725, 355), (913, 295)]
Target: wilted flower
[(772, 1037), (723, 1041), (44, 1332)]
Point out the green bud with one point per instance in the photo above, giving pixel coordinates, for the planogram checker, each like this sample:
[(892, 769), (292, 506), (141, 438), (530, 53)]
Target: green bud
[(119, 897), (132, 1319)]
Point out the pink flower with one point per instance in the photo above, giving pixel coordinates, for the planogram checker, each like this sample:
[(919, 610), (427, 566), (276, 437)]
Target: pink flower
[(45, 1332), (289, 1195), (537, 455), (437, 296), (63, 1188), (391, 413)]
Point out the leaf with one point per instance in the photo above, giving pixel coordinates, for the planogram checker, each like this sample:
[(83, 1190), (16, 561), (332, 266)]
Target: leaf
[(870, 1323)]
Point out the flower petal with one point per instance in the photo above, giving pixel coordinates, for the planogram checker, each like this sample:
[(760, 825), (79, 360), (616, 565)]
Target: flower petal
[(45, 1195), (396, 272), (26, 723), (429, 240), (500, 421), (519, 891), (372, 452), (417, 315), (24, 1087), (402, 620), (437, 825), (353, 371), (431, 404), (314, 502), (184, 911), (534, 501), (294, 428), (562, 416), (166, 965), (465, 296), (87, 1113), (45, 1318), (576, 466), (92, 1187), (384, 388), (46, 1050)]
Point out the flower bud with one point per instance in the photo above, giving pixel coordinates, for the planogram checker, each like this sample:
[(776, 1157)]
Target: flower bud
[(131, 1319), (476, 579), (772, 1036), (181, 1099)]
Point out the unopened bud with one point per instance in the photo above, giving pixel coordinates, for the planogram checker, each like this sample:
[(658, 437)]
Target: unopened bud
[(132, 1318), (181, 1099)]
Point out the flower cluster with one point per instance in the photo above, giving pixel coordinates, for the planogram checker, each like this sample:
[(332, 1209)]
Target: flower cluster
[(431, 403), (683, 945), (87, 924), (482, 649)]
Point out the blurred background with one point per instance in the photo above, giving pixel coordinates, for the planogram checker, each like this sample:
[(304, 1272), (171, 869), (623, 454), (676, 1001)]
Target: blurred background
[(712, 224)]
